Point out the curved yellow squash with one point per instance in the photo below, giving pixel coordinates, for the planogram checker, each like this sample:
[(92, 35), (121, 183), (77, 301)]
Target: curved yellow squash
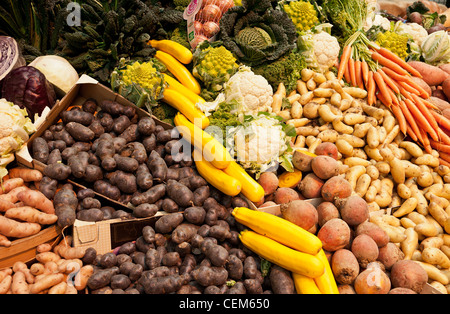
[(250, 188), (179, 71), (275, 252), (185, 106), (212, 150), (305, 285), (216, 177), (326, 282), (175, 85), (178, 51), (278, 229)]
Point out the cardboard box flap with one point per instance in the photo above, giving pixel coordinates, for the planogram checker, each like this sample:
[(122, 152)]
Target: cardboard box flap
[(88, 231)]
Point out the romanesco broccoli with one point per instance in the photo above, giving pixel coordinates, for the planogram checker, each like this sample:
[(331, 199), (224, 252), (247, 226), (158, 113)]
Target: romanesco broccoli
[(303, 14), (395, 42)]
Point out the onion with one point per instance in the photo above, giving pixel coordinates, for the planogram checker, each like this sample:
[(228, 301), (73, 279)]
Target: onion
[(226, 5), (198, 26), (198, 39), (209, 2), (210, 29), (10, 57), (210, 12)]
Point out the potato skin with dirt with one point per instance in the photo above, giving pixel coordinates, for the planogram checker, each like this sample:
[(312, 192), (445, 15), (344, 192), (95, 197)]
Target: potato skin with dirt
[(408, 274), (301, 213), (335, 234), (336, 187), (345, 266)]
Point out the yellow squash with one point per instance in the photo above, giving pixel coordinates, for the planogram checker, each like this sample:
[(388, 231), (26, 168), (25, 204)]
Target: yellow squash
[(175, 85), (305, 285), (212, 150), (281, 255), (185, 106), (250, 188), (178, 51), (179, 71), (216, 177), (326, 282), (278, 229)]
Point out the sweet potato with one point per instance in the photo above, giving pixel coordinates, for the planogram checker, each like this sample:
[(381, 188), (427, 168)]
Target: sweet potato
[(373, 280), (324, 167), (354, 210), (336, 187), (345, 266), (285, 195), (334, 234), (408, 274), (421, 82), (446, 87), (301, 213), (37, 200), (269, 182), (326, 211), (311, 186), (365, 249), (432, 75)]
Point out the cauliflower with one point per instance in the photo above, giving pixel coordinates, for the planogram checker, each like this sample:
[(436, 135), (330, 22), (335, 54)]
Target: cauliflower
[(252, 92), (320, 49), (377, 20), (260, 143), (413, 30)]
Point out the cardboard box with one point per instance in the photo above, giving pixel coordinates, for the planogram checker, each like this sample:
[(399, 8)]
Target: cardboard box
[(103, 235)]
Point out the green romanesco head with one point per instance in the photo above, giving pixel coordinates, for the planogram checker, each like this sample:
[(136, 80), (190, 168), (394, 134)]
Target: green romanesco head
[(214, 66), (303, 14), (144, 75), (254, 37), (395, 42)]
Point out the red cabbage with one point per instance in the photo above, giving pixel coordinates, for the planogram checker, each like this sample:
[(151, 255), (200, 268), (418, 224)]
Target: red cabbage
[(10, 57), (28, 88)]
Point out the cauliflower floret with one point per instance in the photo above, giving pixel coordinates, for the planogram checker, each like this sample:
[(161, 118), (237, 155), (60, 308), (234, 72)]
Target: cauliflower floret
[(252, 92), (326, 49), (413, 30), (378, 20)]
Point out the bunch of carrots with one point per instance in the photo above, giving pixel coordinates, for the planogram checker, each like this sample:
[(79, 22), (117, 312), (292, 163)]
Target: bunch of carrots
[(388, 79)]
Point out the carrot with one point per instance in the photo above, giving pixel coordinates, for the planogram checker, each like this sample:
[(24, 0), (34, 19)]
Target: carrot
[(444, 162), (422, 122), (444, 156), (346, 52), (440, 147), (408, 88), (426, 142), (422, 92), (358, 74), (381, 84), (388, 63), (389, 81), (412, 134), (347, 74), (411, 121), (371, 89), (425, 111), (394, 75), (400, 118), (445, 138), (441, 120), (365, 72), (351, 67), (430, 105), (404, 92), (392, 56)]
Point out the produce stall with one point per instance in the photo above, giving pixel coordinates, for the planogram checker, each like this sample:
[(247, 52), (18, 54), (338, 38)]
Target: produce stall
[(224, 147)]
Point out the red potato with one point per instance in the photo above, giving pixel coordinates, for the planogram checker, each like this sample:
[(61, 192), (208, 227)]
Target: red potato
[(365, 250), (11, 184), (408, 274), (301, 213), (380, 236), (285, 195), (311, 186), (353, 210), (345, 266), (325, 167), (432, 75), (327, 211), (373, 280), (336, 187), (389, 254), (37, 200), (335, 234), (269, 182), (327, 149)]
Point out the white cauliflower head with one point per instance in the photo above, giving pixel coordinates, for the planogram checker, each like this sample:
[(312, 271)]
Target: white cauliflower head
[(377, 20), (413, 30), (252, 92), (326, 50)]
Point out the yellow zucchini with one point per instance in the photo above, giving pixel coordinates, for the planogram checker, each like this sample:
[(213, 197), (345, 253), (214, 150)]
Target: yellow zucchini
[(281, 255), (326, 282), (212, 150), (175, 85), (250, 188), (278, 229), (185, 106), (178, 51), (216, 177), (179, 71), (305, 285)]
